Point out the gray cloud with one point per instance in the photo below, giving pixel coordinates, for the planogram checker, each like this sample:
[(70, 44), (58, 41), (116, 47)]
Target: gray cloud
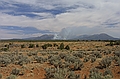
[(94, 16)]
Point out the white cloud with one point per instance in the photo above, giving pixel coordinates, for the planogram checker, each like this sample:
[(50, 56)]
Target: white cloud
[(95, 14), (5, 34)]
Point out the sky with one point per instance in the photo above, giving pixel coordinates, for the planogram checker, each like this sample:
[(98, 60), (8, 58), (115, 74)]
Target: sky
[(30, 18)]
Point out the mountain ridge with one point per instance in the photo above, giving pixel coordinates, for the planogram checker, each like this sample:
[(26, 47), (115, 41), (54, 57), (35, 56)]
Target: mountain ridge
[(101, 36), (43, 37)]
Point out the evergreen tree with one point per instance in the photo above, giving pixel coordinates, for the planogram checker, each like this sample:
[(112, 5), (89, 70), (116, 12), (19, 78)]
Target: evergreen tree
[(61, 46)]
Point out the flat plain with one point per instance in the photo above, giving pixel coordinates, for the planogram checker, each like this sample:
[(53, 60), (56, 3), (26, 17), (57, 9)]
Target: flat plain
[(59, 60)]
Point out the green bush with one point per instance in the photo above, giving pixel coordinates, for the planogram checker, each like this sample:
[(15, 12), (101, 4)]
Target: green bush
[(40, 59), (117, 43), (98, 55), (67, 47), (5, 60), (107, 52), (37, 45), (31, 46), (45, 46), (95, 74), (72, 75), (61, 46), (86, 59), (22, 60), (79, 54), (22, 46), (5, 49), (0, 76), (55, 45), (107, 72), (15, 71), (60, 73), (105, 62), (62, 55), (117, 53), (118, 62), (93, 59), (11, 77)]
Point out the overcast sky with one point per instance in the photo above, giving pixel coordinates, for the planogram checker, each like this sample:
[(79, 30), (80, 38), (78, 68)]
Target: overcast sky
[(26, 18)]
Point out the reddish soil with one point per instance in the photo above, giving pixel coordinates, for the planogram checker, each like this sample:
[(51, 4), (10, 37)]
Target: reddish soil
[(36, 70)]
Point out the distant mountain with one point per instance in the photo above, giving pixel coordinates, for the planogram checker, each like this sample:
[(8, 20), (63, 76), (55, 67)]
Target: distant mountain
[(43, 37), (101, 36)]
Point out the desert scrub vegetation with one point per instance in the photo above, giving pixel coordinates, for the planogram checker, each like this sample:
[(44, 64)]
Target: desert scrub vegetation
[(11, 77), (60, 73), (0, 76), (112, 43), (105, 62), (31, 46), (93, 59), (15, 71), (22, 46), (79, 54), (60, 60), (8, 58), (40, 59), (5, 60), (95, 74), (45, 46)]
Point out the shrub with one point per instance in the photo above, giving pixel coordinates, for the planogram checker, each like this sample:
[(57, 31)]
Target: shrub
[(107, 52), (45, 46), (107, 72), (118, 62), (61, 46), (4, 60), (11, 77), (15, 71), (5, 49), (67, 47), (98, 54), (117, 53), (62, 55), (39, 59), (54, 60), (37, 45), (117, 43), (78, 65), (93, 59), (22, 46), (86, 59), (111, 44), (31, 46), (6, 45), (22, 60), (95, 74), (60, 73), (105, 62), (79, 54), (0, 76), (29, 54), (94, 70), (72, 75), (55, 45)]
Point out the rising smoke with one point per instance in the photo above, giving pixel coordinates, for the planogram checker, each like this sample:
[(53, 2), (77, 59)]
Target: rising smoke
[(73, 32)]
